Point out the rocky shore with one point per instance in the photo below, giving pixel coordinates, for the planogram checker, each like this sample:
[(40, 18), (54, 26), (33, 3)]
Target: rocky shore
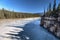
[(52, 25), (51, 19)]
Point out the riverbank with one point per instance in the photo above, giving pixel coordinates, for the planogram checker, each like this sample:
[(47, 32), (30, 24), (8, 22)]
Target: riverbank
[(7, 25), (52, 25)]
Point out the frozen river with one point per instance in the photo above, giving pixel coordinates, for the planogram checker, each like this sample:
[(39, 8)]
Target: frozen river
[(30, 31), (33, 31)]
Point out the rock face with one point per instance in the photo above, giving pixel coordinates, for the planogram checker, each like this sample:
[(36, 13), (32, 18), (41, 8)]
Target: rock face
[(51, 20), (52, 24)]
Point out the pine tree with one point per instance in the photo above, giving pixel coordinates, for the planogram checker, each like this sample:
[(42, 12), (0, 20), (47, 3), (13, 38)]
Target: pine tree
[(44, 11), (54, 6), (49, 7), (58, 8), (3, 13), (49, 10)]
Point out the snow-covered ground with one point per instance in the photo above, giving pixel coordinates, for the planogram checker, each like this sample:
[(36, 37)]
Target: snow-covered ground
[(7, 26)]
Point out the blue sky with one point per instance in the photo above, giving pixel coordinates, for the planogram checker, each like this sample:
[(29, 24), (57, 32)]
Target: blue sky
[(32, 6)]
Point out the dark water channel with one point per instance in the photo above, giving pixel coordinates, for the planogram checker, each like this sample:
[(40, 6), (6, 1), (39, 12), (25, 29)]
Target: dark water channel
[(33, 31)]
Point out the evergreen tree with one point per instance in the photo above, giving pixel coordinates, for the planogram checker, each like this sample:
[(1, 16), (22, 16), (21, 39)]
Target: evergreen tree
[(58, 8), (49, 7), (3, 13), (44, 11), (54, 6)]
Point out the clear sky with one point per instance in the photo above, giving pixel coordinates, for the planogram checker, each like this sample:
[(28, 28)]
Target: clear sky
[(33, 6)]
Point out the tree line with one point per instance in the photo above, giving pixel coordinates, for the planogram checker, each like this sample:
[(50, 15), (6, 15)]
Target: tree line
[(5, 14), (52, 11)]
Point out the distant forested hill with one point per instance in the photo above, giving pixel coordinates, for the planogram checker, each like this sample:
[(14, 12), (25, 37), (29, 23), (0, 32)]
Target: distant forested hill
[(5, 14)]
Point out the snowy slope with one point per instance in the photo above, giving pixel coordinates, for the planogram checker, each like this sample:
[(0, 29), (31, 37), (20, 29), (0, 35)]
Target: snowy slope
[(6, 26)]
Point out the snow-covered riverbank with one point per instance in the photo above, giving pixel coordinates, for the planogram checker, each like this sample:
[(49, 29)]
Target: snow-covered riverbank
[(7, 25)]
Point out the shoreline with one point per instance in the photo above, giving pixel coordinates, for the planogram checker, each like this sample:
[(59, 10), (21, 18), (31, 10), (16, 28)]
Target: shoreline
[(19, 18)]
